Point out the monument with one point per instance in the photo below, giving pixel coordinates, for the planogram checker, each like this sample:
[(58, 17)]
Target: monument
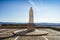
[(30, 30), (31, 25)]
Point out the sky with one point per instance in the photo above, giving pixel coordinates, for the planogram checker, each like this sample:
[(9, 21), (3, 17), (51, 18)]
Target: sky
[(45, 11)]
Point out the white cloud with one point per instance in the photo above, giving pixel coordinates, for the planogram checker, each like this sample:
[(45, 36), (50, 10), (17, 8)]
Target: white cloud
[(33, 4)]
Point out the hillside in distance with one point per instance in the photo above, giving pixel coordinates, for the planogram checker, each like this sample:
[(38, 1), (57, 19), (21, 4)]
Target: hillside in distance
[(37, 24)]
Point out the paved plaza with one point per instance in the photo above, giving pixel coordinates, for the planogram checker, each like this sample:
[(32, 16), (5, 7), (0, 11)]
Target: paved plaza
[(52, 35)]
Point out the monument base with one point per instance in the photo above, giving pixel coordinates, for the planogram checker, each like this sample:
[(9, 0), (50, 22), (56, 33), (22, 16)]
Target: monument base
[(30, 33)]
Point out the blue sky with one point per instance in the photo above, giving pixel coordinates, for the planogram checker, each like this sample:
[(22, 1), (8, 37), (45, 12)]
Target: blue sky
[(18, 10)]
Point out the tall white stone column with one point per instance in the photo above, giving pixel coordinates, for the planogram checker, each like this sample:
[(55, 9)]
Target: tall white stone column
[(31, 20)]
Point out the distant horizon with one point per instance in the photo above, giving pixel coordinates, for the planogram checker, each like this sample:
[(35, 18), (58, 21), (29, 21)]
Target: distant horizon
[(26, 22)]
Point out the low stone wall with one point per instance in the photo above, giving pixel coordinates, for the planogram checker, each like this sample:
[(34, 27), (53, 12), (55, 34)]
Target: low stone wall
[(55, 28), (22, 26)]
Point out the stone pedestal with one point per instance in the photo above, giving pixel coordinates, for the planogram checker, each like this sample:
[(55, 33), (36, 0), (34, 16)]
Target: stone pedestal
[(26, 32), (31, 26)]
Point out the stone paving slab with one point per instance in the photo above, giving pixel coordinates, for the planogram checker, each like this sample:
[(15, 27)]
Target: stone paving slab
[(4, 35), (53, 37), (30, 38)]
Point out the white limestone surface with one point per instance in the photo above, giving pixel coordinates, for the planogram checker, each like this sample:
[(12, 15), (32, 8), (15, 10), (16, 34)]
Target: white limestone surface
[(25, 32)]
